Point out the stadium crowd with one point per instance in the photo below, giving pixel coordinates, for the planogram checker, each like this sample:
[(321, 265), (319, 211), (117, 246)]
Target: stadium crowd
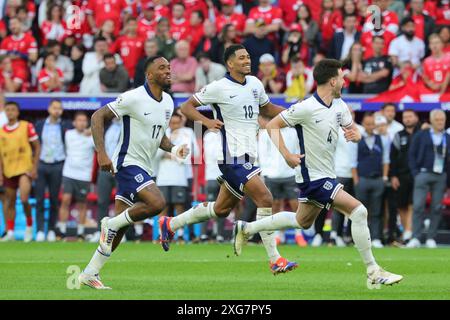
[(100, 46)]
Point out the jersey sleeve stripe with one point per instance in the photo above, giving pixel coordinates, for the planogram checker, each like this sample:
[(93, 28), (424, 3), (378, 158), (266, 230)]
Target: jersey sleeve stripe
[(262, 105), (113, 111), (285, 120), (198, 100), (349, 125), (33, 138)]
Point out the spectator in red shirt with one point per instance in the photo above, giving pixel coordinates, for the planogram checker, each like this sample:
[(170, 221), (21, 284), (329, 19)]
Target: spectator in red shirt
[(264, 15), (130, 47), (179, 26), (228, 15), (147, 23), (53, 28), (10, 80), (20, 47), (195, 5), (50, 78), (436, 73), (271, 77), (326, 23), (443, 12), (183, 69), (100, 10), (289, 8), (3, 31), (424, 23), (196, 29), (389, 19), (367, 40)]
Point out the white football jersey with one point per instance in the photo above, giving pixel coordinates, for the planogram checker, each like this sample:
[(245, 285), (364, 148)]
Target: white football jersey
[(144, 123), (237, 106), (317, 128)]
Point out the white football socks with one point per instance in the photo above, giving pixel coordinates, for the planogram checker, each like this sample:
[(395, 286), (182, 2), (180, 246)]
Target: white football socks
[(361, 236), (121, 220), (196, 214), (268, 237), (80, 229), (96, 263), (278, 221)]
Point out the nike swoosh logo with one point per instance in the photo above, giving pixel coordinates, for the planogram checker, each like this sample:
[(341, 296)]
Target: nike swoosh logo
[(147, 113), (231, 97), (317, 121)]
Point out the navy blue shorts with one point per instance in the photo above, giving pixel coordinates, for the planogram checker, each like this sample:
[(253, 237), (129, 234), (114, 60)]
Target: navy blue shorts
[(130, 181), (320, 192), (235, 176)]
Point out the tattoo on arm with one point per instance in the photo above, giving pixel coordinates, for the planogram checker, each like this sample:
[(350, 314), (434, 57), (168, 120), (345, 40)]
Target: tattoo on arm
[(98, 126), (165, 144)]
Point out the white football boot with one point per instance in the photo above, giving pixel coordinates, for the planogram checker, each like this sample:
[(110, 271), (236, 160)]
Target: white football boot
[(379, 276), (92, 281)]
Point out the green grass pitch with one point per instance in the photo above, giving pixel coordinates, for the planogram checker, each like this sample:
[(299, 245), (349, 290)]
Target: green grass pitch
[(144, 271)]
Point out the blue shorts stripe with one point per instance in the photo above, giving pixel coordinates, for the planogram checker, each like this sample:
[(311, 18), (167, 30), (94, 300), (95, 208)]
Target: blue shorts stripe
[(223, 132), (304, 169), (125, 142)]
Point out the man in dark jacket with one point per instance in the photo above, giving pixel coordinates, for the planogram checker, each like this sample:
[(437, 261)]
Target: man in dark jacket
[(343, 40), (113, 77), (428, 161), (51, 160), (401, 179)]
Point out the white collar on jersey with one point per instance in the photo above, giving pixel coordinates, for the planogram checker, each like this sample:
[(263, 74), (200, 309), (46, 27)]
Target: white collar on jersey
[(147, 88), (229, 77)]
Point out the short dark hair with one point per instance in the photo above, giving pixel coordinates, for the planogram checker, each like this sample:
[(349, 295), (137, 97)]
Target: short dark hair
[(350, 15), (52, 43), (368, 114), (326, 69), (388, 104), (99, 38), (406, 20), (55, 100), (12, 103), (411, 110), (108, 56), (203, 55), (80, 113), (150, 60), (231, 51)]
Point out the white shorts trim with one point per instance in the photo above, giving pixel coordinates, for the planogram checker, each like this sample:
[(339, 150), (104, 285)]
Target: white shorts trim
[(144, 185), (339, 186), (123, 199), (251, 175), (230, 188)]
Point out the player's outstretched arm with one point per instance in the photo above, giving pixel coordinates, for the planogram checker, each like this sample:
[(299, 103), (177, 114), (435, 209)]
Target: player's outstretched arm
[(270, 110), (273, 129), (180, 151), (189, 109), (352, 133), (98, 120)]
